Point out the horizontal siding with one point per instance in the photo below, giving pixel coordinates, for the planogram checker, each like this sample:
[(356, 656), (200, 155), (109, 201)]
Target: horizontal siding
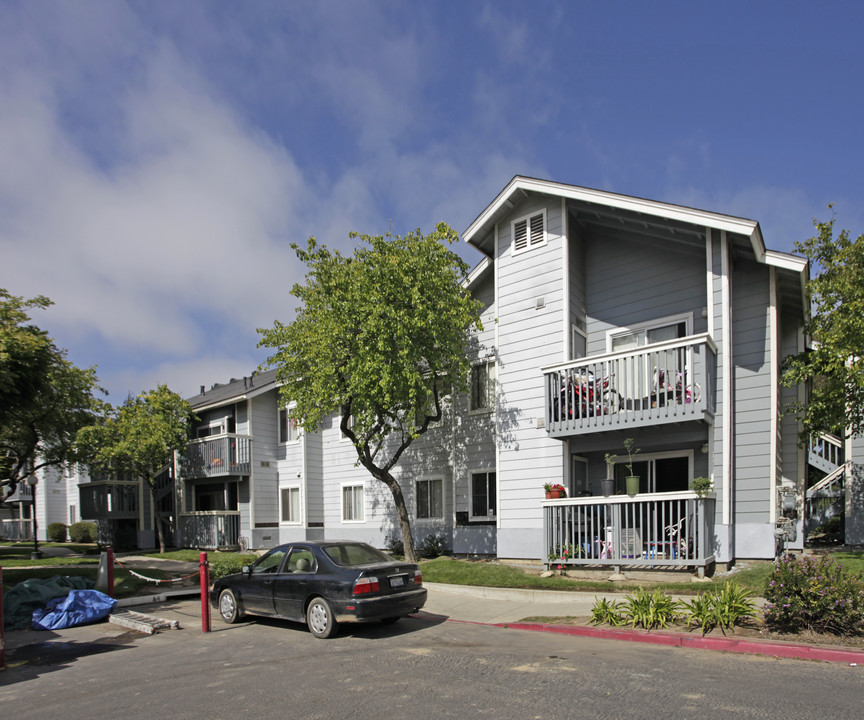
[(752, 417)]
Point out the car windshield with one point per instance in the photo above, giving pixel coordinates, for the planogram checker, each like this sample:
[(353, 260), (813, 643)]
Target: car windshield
[(355, 554)]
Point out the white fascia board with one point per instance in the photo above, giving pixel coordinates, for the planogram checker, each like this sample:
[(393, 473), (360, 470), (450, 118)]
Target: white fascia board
[(785, 261), (248, 395), (476, 272), (740, 226)]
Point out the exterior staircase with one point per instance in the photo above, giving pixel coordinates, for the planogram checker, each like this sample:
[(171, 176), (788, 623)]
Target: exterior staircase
[(825, 499)]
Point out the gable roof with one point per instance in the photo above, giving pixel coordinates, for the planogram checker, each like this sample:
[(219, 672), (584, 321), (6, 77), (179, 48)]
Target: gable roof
[(234, 390), (478, 232)]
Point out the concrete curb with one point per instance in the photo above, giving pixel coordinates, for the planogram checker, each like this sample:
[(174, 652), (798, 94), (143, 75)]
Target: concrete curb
[(727, 644)]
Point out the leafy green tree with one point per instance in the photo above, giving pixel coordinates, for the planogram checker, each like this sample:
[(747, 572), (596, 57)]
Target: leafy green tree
[(44, 399), (379, 338), (138, 438), (834, 368)]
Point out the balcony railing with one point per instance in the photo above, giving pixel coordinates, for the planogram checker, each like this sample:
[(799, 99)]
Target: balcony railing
[(217, 456), (210, 530), (664, 382), (16, 530), (116, 500), (652, 530)]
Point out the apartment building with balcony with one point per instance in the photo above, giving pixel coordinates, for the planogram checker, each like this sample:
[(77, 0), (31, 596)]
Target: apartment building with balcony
[(606, 318)]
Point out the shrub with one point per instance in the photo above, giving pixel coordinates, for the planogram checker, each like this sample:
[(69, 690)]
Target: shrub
[(723, 608), (394, 545), (654, 609), (83, 532), (814, 593), (229, 564), (432, 546), (56, 532), (606, 611)]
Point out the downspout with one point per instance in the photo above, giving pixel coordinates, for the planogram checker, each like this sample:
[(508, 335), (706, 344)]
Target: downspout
[(711, 328), (727, 380), (251, 471), (497, 408), (775, 382), (566, 350)]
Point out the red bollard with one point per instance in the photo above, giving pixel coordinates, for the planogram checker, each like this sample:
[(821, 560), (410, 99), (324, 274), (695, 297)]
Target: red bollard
[(110, 557), (2, 633), (205, 588)]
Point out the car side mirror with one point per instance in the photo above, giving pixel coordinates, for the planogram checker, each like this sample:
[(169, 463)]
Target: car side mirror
[(246, 569)]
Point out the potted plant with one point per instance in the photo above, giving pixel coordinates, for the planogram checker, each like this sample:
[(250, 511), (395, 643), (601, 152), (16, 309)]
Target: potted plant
[(607, 484), (631, 479), (702, 486), (554, 491)]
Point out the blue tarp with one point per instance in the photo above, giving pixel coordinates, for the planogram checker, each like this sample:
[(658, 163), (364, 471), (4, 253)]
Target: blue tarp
[(20, 601), (79, 607)]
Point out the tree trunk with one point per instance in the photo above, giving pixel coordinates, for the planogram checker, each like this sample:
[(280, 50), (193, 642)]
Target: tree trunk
[(404, 518), (156, 520)]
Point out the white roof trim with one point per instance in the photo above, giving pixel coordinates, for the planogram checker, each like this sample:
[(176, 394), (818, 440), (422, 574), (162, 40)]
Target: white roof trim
[(741, 226), (785, 261), (476, 272), (248, 395)]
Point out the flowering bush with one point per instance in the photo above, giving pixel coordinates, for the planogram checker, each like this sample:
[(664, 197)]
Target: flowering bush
[(556, 487), (814, 593)]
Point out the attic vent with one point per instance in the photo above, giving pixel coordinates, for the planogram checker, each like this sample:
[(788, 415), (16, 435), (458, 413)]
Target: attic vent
[(540, 303), (529, 231)]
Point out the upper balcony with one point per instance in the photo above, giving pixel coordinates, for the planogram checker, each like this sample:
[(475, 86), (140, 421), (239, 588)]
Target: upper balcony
[(218, 456), (667, 382)]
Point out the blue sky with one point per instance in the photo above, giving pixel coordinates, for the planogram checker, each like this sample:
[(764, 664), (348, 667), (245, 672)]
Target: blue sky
[(157, 158)]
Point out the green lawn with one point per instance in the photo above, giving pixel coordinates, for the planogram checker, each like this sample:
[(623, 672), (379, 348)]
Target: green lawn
[(18, 555)]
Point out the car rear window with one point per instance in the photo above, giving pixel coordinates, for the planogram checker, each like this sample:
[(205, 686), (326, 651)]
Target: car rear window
[(355, 554)]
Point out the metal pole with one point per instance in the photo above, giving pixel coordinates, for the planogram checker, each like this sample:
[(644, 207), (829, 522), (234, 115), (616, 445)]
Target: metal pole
[(109, 553), (35, 555), (205, 587), (2, 633)]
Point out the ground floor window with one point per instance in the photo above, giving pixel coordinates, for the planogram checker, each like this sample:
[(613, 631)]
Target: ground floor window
[(483, 495), (430, 503), (290, 498), (352, 503)]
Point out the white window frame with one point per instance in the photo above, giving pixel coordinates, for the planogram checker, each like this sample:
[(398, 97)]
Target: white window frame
[(290, 489), (426, 480), (490, 388), (482, 471), (644, 327), (531, 241), (218, 425), (291, 437), (362, 489), (651, 457)]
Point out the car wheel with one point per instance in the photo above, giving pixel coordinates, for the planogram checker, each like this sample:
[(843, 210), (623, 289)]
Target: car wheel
[(228, 608), (391, 620), (319, 619)]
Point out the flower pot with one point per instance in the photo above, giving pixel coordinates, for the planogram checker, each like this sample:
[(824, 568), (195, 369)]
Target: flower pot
[(554, 494), (607, 486), (632, 484)]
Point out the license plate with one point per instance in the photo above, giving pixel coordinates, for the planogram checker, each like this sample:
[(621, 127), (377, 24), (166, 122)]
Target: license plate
[(397, 581)]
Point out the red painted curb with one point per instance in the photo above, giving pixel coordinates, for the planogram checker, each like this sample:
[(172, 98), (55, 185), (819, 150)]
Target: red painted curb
[(735, 645)]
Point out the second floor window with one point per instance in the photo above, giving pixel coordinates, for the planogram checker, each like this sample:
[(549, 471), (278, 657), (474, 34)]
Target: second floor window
[(288, 428), (482, 386)]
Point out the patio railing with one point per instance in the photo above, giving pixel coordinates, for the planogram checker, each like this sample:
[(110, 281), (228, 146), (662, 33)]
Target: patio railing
[(103, 500), (210, 530), (217, 456), (654, 530), (16, 530), (670, 382)]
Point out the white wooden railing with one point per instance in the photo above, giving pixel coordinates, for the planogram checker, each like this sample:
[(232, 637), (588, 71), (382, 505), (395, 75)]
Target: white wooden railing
[(647, 530), (218, 455), (664, 382)]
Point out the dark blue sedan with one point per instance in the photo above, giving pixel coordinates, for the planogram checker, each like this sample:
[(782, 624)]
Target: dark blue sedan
[(322, 584)]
